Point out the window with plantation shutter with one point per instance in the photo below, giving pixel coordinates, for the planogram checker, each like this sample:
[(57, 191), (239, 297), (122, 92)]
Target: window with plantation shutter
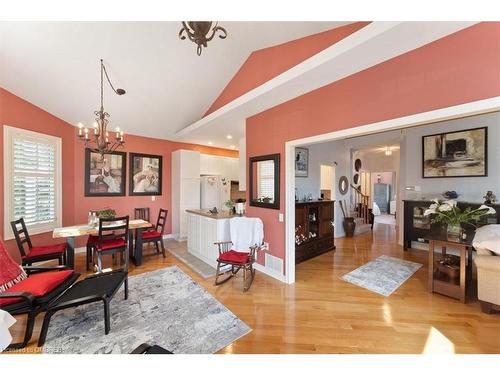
[(32, 165), (266, 180)]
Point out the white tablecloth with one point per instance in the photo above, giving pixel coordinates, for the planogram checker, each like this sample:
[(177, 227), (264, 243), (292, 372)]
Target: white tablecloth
[(6, 320)]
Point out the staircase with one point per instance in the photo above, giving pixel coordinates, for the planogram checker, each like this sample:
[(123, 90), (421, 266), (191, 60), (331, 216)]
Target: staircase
[(362, 211)]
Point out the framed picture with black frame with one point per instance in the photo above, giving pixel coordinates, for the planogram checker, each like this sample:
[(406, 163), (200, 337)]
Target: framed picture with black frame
[(301, 162), (105, 174), (145, 174), (461, 153)]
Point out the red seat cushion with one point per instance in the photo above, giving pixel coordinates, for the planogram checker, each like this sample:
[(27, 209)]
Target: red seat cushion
[(38, 284), (151, 234), (111, 244), (92, 240), (37, 251), (235, 257)]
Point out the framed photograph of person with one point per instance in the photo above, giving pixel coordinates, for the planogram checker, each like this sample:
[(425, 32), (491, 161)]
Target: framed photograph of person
[(145, 174), (105, 174), (301, 162)]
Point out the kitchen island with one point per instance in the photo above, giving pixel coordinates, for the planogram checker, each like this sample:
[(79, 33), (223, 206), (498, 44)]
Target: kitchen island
[(203, 229)]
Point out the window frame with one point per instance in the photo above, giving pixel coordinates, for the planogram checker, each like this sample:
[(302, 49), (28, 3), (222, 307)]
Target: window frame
[(254, 159), (10, 133)]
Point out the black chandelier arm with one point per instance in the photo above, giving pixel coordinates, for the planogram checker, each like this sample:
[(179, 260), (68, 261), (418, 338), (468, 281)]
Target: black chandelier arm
[(107, 77)]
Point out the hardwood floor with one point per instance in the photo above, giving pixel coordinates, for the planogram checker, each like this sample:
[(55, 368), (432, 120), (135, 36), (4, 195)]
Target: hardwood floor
[(322, 314)]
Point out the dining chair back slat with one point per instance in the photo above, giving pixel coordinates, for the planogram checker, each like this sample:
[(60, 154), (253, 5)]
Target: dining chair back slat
[(141, 213), (21, 235), (162, 220), (113, 228)]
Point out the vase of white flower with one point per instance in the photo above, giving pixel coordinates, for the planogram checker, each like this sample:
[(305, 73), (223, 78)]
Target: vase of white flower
[(454, 218)]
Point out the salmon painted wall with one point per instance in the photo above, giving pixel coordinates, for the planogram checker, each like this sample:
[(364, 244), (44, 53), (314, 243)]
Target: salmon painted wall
[(15, 111), (267, 63), (460, 68)]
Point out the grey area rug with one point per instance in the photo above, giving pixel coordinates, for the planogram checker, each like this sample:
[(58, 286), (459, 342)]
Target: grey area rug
[(382, 275), (165, 307), (197, 265)]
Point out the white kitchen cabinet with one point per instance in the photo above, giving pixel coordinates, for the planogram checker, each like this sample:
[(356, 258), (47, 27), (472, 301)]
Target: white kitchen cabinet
[(220, 166), (185, 189)]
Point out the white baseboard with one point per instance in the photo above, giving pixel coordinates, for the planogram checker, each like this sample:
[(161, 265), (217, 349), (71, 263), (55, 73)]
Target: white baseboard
[(269, 272)]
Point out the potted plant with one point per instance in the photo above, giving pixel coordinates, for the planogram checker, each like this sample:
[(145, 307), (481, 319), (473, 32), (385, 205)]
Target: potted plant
[(448, 213), (107, 213), (230, 205)]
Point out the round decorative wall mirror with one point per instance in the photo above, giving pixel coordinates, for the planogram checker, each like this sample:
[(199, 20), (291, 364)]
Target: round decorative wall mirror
[(343, 185)]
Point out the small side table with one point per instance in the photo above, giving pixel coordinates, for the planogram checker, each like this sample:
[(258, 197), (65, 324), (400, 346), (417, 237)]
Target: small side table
[(438, 283)]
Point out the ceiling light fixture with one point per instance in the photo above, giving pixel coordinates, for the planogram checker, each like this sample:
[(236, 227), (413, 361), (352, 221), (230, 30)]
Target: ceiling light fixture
[(210, 143), (388, 151), (233, 147), (229, 136), (99, 141), (198, 32)]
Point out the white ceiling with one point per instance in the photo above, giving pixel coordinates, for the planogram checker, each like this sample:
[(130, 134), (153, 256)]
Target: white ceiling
[(55, 66)]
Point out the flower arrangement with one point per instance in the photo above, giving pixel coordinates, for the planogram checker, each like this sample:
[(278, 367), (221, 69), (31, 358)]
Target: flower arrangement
[(229, 204), (447, 212)]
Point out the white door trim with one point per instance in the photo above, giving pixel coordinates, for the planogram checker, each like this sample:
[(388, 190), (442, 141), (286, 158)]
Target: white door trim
[(442, 114)]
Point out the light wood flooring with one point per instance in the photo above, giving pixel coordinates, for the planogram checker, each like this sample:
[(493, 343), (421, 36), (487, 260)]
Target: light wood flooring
[(322, 314)]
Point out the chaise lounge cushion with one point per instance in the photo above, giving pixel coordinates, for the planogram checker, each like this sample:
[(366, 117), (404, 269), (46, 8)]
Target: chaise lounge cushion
[(38, 285), (233, 256), (37, 251)]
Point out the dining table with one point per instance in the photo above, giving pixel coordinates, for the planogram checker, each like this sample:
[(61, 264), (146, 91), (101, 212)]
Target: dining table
[(72, 232)]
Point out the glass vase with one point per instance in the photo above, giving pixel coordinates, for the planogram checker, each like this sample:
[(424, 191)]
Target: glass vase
[(454, 232)]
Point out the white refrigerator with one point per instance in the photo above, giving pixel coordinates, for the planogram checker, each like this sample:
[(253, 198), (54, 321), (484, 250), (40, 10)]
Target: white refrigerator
[(215, 192)]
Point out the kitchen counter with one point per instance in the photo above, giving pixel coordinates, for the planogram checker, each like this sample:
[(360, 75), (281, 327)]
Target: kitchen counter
[(218, 216), (313, 201)]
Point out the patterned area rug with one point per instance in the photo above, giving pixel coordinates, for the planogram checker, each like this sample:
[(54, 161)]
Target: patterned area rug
[(382, 275), (165, 307)]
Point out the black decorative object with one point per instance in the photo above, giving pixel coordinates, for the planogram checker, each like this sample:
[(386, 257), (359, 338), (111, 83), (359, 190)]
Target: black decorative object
[(452, 194), (462, 153), (201, 32), (99, 139), (355, 179), (357, 165)]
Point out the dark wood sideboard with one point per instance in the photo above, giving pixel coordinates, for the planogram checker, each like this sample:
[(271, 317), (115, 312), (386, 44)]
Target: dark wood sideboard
[(314, 228), (417, 226)]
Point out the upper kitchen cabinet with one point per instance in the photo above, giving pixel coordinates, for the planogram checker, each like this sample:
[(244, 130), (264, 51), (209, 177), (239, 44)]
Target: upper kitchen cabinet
[(220, 166)]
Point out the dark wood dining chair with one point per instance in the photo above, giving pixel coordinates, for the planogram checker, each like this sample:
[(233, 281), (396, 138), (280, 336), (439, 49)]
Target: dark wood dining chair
[(112, 238), (141, 213), (31, 254), (156, 235)]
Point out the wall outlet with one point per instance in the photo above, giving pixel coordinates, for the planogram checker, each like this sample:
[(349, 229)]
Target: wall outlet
[(281, 217), (265, 246), (153, 198)]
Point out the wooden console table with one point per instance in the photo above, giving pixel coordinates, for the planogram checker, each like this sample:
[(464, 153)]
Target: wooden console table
[(439, 283)]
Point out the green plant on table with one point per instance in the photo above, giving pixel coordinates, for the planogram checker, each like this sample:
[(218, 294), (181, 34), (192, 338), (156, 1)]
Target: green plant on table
[(447, 212), (229, 204), (107, 213)]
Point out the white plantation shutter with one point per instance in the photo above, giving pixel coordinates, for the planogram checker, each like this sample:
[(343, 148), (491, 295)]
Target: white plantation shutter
[(266, 179), (32, 163)]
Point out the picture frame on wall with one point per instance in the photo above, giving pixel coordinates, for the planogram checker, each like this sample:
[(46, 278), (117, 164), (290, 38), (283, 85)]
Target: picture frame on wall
[(301, 162), (105, 175), (145, 174), (461, 153)]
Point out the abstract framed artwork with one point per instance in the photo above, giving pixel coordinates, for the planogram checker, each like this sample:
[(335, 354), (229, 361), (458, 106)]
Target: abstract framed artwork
[(145, 174), (105, 174), (301, 162), (462, 153)]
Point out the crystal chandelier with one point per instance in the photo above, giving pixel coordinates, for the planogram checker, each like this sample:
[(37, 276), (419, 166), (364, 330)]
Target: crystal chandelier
[(98, 139), (198, 32)]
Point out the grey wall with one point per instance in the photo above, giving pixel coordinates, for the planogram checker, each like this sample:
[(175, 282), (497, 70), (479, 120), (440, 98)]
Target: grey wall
[(469, 188), (410, 166)]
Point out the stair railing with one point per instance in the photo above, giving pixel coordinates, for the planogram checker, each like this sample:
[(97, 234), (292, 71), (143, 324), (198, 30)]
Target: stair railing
[(361, 203)]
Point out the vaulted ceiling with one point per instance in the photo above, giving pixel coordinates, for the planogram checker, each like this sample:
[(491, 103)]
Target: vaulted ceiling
[(55, 66)]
